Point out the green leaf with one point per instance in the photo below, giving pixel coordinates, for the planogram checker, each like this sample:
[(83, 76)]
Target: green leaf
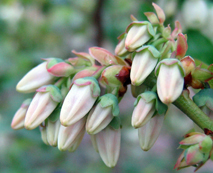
[(115, 123)]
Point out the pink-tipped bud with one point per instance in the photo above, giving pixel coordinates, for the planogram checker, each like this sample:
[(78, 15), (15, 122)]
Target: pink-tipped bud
[(149, 133), (188, 64), (108, 142), (42, 105), (79, 100), (143, 64), (138, 33), (18, 119), (102, 114), (68, 136), (170, 79), (34, 79), (144, 109), (58, 67)]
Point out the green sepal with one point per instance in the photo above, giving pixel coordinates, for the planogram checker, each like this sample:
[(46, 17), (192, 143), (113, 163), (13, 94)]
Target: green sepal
[(149, 96), (54, 91), (52, 61), (170, 62), (202, 74), (94, 86), (149, 27), (204, 98), (184, 146), (206, 145), (54, 116), (109, 100), (115, 123), (151, 49)]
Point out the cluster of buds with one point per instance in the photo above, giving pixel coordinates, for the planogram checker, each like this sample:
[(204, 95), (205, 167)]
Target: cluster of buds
[(81, 94), (197, 150)]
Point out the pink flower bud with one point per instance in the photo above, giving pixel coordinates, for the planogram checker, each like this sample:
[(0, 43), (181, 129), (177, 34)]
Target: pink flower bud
[(34, 79), (108, 142), (144, 109), (68, 136), (77, 142), (58, 67), (143, 64), (188, 64), (79, 100), (170, 79), (52, 129), (102, 114), (149, 133), (18, 119), (138, 33), (42, 105)]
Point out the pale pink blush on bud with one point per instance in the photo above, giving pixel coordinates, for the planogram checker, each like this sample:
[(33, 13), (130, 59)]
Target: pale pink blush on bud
[(68, 135), (142, 113), (120, 49), (77, 142), (40, 108), (76, 105), (136, 37), (169, 83), (108, 142), (34, 79), (18, 119), (98, 119), (149, 133), (52, 132), (142, 65)]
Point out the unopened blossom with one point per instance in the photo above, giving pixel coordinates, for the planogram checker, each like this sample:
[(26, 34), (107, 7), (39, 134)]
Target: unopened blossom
[(52, 129), (18, 119), (102, 113), (34, 79), (188, 64), (77, 142), (149, 133), (42, 105), (71, 135), (108, 143), (197, 149), (170, 79), (144, 109), (79, 100), (143, 64), (120, 49), (138, 33), (43, 131)]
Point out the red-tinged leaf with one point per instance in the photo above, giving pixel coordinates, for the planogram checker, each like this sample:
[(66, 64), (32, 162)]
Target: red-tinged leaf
[(182, 46), (133, 18), (177, 30), (85, 56), (103, 56), (160, 13), (152, 17)]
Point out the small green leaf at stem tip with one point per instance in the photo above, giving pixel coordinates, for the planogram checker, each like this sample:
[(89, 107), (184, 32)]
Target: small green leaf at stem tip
[(115, 123), (204, 97)]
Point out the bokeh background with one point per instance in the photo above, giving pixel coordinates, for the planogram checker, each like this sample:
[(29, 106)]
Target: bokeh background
[(31, 30)]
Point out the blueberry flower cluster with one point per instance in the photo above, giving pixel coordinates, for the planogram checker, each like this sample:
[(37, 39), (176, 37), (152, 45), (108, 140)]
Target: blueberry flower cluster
[(82, 94)]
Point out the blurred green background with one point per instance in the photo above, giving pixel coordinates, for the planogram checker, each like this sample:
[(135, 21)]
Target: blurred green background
[(31, 30)]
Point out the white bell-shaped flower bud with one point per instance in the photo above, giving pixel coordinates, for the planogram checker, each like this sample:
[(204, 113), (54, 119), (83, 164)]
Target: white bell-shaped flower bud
[(144, 109), (68, 136), (143, 64), (108, 143), (34, 79), (42, 105), (170, 79), (79, 100), (18, 119), (149, 133), (102, 113)]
